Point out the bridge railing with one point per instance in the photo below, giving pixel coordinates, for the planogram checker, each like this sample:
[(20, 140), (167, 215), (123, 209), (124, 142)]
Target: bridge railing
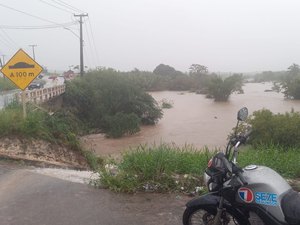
[(41, 95)]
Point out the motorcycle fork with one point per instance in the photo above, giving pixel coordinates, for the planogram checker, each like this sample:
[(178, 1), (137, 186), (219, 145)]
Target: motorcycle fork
[(217, 219)]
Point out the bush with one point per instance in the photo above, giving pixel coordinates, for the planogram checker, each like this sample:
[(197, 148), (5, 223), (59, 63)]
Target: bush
[(277, 129), (58, 128), (120, 124), (104, 99), (6, 84), (220, 89), (166, 104)]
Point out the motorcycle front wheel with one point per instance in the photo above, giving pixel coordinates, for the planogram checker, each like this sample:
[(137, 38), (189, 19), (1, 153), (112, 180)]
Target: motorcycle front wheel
[(205, 216)]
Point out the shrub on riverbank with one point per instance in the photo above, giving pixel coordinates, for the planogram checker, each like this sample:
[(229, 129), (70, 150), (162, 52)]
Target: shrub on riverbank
[(278, 129), (6, 84), (60, 128), (108, 101), (170, 168)]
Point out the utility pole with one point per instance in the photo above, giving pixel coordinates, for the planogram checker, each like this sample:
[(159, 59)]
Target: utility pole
[(3, 61), (2, 64), (33, 46), (81, 42)]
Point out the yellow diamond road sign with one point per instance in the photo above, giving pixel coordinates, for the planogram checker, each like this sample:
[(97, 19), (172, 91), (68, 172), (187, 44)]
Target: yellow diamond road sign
[(21, 69)]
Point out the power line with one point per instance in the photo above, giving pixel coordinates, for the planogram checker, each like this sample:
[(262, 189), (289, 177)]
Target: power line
[(28, 14), (93, 38), (66, 5), (64, 25), (6, 41), (90, 45), (62, 9), (72, 32), (9, 38)]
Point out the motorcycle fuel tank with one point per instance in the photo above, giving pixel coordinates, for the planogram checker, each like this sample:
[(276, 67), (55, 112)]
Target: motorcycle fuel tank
[(265, 189)]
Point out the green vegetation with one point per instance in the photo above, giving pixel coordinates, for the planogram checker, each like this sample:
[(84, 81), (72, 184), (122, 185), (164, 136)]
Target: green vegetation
[(166, 104), (278, 129), (198, 79), (59, 128), (269, 76), (167, 168), (108, 101), (284, 160), (157, 168), (290, 83), (163, 168), (6, 84), (220, 89)]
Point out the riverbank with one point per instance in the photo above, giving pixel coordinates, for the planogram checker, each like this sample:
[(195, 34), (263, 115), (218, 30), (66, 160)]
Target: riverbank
[(41, 153)]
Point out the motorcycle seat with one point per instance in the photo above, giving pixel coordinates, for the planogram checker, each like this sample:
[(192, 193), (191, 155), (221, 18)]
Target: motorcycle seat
[(290, 204)]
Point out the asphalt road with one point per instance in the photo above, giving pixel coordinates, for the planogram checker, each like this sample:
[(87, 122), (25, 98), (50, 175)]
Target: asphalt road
[(28, 198)]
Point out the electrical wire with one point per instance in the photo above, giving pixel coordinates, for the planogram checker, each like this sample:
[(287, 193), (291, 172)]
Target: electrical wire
[(64, 25), (90, 45), (62, 9), (28, 14), (9, 38), (4, 41), (66, 5), (72, 32), (94, 43)]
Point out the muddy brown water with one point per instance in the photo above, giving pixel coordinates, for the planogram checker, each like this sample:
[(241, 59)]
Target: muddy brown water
[(195, 120)]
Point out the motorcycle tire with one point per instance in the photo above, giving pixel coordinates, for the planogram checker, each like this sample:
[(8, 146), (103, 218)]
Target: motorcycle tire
[(202, 215)]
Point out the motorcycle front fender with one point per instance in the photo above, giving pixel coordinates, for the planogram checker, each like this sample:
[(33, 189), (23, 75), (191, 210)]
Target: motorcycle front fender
[(213, 200), (209, 199)]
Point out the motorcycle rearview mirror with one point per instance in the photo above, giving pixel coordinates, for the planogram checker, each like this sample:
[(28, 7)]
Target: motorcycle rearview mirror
[(242, 114)]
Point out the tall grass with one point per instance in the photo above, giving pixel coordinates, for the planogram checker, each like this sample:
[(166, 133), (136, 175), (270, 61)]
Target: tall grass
[(170, 168), (286, 161), (158, 168), (59, 128)]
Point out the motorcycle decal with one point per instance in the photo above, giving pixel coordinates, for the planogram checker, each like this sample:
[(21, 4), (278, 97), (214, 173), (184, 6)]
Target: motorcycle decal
[(246, 195), (265, 198)]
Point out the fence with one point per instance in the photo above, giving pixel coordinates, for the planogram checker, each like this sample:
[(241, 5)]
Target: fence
[(41, 95)]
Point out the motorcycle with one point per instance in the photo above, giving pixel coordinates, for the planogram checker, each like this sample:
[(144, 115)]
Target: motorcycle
[(254, 195)]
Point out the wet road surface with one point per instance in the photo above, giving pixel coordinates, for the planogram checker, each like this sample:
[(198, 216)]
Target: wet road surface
[(28, 198)]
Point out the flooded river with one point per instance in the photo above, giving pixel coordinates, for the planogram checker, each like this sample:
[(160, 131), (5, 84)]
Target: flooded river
[(195, 119)]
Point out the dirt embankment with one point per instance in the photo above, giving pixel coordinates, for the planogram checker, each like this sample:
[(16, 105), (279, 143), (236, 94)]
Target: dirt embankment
[(41, 152)]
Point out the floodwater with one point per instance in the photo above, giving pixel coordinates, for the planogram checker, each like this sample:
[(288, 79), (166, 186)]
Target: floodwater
[(195, 120)]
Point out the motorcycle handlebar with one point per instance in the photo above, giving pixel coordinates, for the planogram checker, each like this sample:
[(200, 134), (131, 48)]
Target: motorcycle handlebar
[(242, 138), (247, 134)]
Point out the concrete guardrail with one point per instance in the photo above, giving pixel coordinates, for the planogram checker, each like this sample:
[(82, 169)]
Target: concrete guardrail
[(41, 95)]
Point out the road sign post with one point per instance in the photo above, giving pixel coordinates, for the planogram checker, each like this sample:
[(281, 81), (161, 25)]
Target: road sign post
[(21, 69)]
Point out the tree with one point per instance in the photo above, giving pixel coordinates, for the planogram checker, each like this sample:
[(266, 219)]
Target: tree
[(220, 89), (290, 84), (197, 69), (166, 70)]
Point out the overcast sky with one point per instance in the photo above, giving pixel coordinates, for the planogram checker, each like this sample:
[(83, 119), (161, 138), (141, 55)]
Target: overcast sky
[(224, 35)]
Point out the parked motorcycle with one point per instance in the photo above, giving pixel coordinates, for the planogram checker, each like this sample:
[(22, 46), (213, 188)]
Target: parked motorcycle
[(254, 195)]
